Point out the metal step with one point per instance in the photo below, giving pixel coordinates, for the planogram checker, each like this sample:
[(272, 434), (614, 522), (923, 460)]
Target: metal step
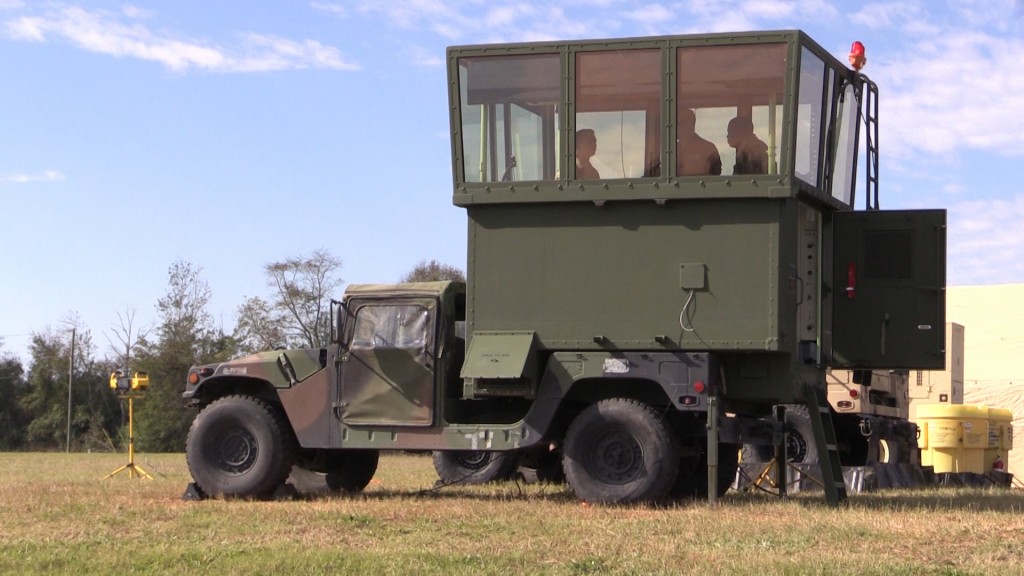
[(825, 439)]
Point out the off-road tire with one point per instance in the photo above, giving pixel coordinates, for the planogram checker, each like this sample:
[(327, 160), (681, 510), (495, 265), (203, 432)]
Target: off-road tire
[(239, 446), (692, 481), (340, 472), (474, 466), (543, 467), (620, 451), (800, 445)]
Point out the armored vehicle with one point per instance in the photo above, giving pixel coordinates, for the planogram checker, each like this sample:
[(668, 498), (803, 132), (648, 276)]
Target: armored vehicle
[(662, 246)]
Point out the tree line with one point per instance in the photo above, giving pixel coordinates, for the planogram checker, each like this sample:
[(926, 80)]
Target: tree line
[(35, 413)]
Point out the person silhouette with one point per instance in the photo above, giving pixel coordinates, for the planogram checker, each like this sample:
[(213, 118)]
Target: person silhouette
[(586, 147), (697, 156), (751, 152)]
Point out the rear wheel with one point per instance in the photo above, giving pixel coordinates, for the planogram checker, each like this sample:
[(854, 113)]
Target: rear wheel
[(545, 467), (692, 481), (474, 466), (336, 471), (800, 445), (620, 451), (239, 446)]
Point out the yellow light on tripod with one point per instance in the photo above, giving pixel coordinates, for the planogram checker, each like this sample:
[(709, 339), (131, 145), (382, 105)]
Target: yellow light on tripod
[(136, 383), (140, 381)]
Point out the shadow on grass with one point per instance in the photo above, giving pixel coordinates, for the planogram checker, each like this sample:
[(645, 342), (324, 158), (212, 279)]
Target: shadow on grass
[(927, 499), (933, 498)]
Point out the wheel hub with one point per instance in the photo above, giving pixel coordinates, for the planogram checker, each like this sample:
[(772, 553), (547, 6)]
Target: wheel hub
[(796, 446), (238, 451), (473, 460), (617, 458)]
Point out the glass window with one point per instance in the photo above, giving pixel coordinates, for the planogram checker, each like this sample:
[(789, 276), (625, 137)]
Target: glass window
[(736, 95), (510, 117), (809, 118), (846, 147), (618, 114), (403, 326)]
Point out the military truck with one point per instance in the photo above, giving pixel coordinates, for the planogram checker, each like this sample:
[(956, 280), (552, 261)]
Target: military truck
[(873, 409), (662, 246), (872, 414)]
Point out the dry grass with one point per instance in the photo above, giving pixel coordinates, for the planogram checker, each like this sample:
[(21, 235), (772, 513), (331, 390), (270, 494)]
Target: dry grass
[(60, 516)]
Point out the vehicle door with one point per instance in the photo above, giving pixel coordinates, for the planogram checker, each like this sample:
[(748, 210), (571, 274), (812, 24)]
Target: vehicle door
[(387, 374), (889, 289)]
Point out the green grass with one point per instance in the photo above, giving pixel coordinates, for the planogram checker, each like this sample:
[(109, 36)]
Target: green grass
[(59, 515)]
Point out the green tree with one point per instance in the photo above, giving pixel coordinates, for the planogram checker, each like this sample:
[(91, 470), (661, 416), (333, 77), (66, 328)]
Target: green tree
[(184, 337), (260, 326), (94, 409), (433, 271), (12, 418), (298, 313)]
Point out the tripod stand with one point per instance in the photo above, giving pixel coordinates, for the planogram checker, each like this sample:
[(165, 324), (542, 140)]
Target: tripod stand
[(132, 468)]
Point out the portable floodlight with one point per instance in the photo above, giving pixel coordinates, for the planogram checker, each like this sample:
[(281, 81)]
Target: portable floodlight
[(129, 388), (139, 382)]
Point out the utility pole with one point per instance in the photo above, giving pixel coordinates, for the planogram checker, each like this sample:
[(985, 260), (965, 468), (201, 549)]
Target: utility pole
[(71, 367)]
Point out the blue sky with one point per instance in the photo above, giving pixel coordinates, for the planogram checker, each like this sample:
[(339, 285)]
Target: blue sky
[(231, 134)]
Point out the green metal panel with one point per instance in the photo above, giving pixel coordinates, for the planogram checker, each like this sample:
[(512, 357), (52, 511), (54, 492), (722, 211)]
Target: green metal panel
[(498, 354), (889, 302), (692, 275)]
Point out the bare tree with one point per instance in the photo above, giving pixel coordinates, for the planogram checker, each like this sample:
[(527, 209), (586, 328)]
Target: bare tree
[(303, 287), (127, 336)]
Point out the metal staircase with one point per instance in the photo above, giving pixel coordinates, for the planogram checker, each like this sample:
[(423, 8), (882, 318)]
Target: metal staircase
[(825, 439)]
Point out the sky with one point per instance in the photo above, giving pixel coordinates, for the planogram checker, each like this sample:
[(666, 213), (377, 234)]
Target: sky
[(232, 134)]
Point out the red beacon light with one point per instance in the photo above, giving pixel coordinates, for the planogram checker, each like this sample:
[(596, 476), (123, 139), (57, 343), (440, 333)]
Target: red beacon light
[(857, 57)]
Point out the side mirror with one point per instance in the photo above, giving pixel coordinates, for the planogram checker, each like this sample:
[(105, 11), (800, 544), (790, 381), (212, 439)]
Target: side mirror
[(338, 314)]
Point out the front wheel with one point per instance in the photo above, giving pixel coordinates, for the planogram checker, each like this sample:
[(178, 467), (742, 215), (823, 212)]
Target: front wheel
[(239, 446), (620, 451)]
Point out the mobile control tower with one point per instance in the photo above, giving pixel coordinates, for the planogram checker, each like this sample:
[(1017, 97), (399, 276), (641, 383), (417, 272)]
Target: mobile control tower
[(662, 246)]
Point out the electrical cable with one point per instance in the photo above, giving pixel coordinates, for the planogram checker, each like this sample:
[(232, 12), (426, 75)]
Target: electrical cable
[(682, 314)]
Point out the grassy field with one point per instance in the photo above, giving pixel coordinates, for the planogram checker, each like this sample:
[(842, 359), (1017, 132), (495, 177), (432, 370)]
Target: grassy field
[(59, 515)]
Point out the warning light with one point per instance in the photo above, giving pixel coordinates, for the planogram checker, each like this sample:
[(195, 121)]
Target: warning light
[(857, 57)]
